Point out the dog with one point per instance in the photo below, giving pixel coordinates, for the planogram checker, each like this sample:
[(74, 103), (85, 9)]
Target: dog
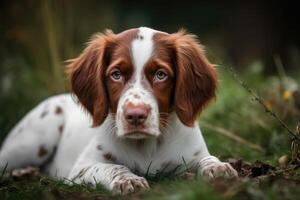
[(136, 97)]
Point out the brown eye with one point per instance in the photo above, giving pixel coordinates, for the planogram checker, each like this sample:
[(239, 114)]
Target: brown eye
[(116, 75), (160, 75)]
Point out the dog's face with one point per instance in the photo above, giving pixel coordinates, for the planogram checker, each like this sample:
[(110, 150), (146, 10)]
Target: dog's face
[(141, 76)]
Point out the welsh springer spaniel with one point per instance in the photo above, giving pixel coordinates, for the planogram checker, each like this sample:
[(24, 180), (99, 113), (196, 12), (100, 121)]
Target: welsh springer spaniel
[(143, 91)]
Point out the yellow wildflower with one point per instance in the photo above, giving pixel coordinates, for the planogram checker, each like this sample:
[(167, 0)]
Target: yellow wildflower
[(287, 95)]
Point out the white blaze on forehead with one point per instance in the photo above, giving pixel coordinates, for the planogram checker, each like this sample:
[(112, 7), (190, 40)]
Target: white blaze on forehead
[(142, 48), (141, 51)]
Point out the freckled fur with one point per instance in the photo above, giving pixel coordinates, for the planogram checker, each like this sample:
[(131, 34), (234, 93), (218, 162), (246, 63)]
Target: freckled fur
[(197, 153), (44, 113), (61, 129), (99, 147), (58, 110), (94, 113), (109, 157), (42, 151)]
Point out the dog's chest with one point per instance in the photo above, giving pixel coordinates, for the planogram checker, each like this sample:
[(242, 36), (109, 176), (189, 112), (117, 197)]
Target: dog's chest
[(151, 159)]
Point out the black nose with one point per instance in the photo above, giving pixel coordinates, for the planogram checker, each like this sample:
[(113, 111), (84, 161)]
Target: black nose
[(136, 115)]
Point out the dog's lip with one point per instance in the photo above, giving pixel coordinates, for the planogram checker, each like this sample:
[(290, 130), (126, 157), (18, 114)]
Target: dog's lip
[(139, 134)]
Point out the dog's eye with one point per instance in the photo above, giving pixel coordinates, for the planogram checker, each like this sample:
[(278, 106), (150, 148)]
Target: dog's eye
[(116, 75), (160, 75)]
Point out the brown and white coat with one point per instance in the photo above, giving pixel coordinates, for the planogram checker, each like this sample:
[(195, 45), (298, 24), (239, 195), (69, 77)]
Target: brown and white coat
[(143, 91)]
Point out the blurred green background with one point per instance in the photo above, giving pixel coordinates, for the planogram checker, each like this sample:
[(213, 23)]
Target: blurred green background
[(259, 39)]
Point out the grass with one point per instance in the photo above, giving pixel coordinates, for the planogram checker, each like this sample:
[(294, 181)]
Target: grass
[(233, 111), (236, 110), (175, 188)]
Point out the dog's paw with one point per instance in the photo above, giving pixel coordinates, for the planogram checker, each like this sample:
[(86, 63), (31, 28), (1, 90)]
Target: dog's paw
[(127, 184), (212, 168), (220, 169)]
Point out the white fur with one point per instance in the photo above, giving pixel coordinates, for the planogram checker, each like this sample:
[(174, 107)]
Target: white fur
[(84, 154), (141, 52), (142, 49)]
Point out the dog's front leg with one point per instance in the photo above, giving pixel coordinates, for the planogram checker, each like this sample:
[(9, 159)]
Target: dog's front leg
[(116, 178), (92, 167)]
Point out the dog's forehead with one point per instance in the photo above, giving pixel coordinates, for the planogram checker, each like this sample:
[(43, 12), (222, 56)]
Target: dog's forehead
[(142, 47), (139, 45), (134, 32)]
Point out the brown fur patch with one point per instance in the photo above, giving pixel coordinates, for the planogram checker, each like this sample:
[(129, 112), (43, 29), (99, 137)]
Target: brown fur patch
[(58, 110), (196, 78), (196, 153), (44, 113), (137, 96), (140, 37), (61, 129), (109, 156), (49, 159), (89, 71), (99, 147), (42, 151)]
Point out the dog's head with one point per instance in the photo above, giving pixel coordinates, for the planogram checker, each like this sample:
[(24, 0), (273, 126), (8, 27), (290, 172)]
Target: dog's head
[(141, 76)]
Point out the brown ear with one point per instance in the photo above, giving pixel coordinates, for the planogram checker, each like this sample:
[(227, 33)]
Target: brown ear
[(87, 76), (196, 78)]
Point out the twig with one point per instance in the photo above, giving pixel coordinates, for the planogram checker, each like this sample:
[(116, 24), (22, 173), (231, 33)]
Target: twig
[(279, 66), (4, 170), (185, 164), (232, 136), (148, 169), (261, 102)]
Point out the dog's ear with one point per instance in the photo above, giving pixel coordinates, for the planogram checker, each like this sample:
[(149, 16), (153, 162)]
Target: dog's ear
[(87, 76), (196, 78)]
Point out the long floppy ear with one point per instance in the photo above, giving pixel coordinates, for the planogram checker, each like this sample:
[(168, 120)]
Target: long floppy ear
[(196, 78), (87, 76)]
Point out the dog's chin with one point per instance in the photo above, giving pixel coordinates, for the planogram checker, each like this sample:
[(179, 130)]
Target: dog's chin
[(139, 135)]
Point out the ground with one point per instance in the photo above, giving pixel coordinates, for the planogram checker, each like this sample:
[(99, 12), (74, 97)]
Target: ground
[(257, 181)]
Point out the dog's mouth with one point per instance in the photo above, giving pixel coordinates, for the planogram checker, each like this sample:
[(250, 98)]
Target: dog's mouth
[(139, 134)]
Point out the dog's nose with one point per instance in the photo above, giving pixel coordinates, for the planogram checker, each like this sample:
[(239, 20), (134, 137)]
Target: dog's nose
[(136, 115)]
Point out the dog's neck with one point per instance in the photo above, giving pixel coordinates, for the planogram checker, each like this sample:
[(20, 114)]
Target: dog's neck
[(147, 146)]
